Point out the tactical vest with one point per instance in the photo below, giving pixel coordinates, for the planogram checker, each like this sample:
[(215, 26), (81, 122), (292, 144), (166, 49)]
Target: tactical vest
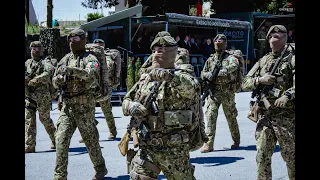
[(283, 74), (231, 78), (34, 69), (176, 123), (75, 85)]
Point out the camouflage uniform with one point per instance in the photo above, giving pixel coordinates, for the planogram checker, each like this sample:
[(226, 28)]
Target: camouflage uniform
[(37, 97), (81, 72), (277, 124), (114, 69), (223, 93), (167, 148)]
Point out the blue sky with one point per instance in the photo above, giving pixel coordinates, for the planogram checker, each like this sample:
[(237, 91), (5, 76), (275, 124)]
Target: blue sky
[(65, 10)]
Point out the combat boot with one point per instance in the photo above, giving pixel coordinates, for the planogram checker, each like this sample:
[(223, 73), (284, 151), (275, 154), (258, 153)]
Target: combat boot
[(100, 175), (112, 136), (235, 145), (53, 145), (29, 149), (206, 148)]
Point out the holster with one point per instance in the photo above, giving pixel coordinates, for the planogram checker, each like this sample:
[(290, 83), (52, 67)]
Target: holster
[(130, 155), (253, 112)]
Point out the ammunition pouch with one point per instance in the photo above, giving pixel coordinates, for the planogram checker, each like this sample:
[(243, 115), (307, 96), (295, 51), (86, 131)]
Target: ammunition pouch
[(179, 117), (165, 141), (78, 99), (74, 85)]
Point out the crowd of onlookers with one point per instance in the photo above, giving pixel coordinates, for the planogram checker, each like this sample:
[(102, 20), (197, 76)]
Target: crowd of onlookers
[(141, 44)]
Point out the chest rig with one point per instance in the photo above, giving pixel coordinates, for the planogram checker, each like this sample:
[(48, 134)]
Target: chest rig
[(75, 85), (169, 126), (283, 73)]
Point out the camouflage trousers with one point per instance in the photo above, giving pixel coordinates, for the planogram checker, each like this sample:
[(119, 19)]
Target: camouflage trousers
[(227, 99), (277, 127), (43, 106), (174, 163), (81, 116), (106, 108)]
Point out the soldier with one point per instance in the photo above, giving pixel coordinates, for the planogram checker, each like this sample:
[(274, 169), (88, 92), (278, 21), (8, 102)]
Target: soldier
[(114, 81), (223, 86), (165, 146), (37, 96), (278, 122), (77, 77)]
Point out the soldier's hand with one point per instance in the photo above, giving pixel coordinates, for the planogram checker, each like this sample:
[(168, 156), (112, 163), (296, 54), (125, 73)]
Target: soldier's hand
[(209, 76), (26, 80), (137, 110), (160, 74), (222, 72), (59, 79), (32, 82), (281, 101), (267, 79)]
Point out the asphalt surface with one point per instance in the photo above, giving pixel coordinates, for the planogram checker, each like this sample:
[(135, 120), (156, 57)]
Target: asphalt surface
[(222, 164)]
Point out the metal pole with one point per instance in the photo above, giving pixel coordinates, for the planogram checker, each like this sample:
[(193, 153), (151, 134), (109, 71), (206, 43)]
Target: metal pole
[(246, 69), (167, 26)]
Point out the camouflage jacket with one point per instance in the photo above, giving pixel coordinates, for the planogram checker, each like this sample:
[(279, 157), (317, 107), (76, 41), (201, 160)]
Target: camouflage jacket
[(229, 63), (82, 79), (40, 71), (181, 93), (286, 71)]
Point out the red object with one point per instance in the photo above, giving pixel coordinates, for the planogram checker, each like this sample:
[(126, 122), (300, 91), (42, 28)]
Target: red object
[(199, 8)]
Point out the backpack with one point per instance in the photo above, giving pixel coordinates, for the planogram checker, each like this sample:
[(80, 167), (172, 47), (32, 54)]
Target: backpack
[(113, 60), (98, 51), (240, 74)]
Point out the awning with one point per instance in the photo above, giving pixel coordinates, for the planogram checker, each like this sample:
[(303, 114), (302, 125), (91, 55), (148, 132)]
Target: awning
[(276, 16), (93, 25), (181, 19)]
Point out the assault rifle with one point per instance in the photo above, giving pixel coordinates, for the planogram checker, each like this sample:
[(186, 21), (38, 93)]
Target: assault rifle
[(207, 85), (263, 91), (139, 124)]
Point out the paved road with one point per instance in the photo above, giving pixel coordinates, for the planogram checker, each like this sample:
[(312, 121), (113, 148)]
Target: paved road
[(218, 165)]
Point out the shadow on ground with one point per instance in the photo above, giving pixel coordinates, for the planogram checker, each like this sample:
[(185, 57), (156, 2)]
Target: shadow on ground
[(215, 161), (126, 177), (248, 148)]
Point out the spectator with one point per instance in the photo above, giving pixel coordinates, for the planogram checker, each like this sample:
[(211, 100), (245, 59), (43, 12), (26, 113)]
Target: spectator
[(137, 46), (195, 47), (186, 43), (177, 38), (208, 48), (290, 37)]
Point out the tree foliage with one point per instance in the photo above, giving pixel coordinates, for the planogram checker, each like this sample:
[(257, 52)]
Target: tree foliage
[(94, 16), (95, 4)]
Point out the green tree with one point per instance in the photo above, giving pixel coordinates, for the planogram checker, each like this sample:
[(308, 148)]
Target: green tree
[(138, 66), (94, 16), (130, 74), (95, 4)]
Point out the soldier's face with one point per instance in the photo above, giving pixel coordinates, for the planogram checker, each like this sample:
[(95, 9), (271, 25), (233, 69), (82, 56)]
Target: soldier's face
[(277, 40), (77, 44), (219, 44), (36, 51)]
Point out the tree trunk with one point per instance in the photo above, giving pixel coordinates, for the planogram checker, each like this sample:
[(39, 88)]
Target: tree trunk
[(49, 13), (27, 3)]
